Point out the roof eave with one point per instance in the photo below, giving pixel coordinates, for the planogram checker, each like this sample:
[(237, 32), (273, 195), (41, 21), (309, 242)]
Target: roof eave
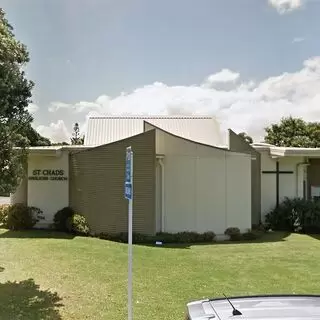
[(303, 152)]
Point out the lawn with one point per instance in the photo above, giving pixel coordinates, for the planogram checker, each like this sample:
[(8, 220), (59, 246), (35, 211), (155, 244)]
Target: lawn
[(47, 275)]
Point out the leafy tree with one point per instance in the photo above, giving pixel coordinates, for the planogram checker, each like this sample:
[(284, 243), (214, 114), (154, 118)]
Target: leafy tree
[(246, 137), (34, 138), (15, 94), (294, 132), (12, 162), (76, 138)]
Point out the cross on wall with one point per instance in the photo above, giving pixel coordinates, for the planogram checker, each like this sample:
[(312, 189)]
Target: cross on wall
[(277, 172)]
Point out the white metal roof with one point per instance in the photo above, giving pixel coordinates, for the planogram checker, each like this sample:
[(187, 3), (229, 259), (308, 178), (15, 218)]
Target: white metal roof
[(103, 130)]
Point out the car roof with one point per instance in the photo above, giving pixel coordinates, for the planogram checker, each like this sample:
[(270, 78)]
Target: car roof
[(258, 307)]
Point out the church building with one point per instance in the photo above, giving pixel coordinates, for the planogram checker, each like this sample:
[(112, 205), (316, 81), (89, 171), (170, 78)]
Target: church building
[(184, 178)]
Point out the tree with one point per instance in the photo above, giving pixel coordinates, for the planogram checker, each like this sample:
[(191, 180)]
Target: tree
[(15, 96), (76, 137), (294, 132), (33, 137), (246, 137)]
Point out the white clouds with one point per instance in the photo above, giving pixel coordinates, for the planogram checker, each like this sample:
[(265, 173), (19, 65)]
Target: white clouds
[(57, 105), (225, 75), (297, 40), (286, 6), (81, 106), (32, 108), (246, 106), (57, 132)]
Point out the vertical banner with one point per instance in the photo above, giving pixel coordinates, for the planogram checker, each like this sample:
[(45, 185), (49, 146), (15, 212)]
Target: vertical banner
[(128, 193)]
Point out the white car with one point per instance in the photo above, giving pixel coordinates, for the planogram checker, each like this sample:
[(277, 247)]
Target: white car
[(294, 307)]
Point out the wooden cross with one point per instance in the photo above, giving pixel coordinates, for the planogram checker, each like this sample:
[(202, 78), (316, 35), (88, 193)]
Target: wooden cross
[(277, 173)]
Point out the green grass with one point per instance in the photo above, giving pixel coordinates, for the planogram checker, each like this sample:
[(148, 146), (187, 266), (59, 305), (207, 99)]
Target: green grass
[(51, 276)]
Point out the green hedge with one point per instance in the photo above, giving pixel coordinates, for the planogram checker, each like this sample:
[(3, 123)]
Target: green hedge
[(77, 224), (180, 237), (61, 217), (295, 215), (19, 216)]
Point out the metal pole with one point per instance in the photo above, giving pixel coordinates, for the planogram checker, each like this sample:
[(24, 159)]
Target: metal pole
[(130, 314)]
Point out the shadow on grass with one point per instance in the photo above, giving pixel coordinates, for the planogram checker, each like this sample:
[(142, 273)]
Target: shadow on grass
[(265, 238), (24, 300), (314, 236), (47, 234)]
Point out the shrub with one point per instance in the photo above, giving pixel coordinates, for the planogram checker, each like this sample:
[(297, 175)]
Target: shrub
[(123, 237), (188, 237), (166, 237), (61, 217), (208, 236), (141, 238), (233, 233), (21, 217), (77, 224), (180, 237), (4, 214), (295, 215), (260, 227), (250, 235)]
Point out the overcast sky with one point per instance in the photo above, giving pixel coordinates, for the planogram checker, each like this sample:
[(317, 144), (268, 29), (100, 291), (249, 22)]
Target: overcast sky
[(247, 62)]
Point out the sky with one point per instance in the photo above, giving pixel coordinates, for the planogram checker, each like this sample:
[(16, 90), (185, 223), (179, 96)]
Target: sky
[(246, 62)]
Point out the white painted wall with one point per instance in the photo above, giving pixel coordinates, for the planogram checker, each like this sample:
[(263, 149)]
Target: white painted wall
[(238, 173), (49, 196), (158, 197), (290, 185), (21, 193), (206, 189)]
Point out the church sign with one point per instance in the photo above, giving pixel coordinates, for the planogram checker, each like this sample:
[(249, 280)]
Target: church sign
[(48, 174)]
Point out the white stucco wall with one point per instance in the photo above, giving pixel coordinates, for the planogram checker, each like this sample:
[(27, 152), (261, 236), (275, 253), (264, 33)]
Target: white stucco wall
[(206, 189), (21, 193), (49, 195), (290, 185), (238, 173)]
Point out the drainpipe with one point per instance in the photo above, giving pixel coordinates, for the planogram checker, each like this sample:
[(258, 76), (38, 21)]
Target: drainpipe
[(162, 194), (297, 176)]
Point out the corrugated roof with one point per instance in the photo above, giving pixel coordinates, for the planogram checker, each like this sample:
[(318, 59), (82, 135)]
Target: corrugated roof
[(103, 130)]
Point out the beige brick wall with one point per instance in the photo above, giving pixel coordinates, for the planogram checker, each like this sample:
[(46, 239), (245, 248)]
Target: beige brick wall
[(97, 185)]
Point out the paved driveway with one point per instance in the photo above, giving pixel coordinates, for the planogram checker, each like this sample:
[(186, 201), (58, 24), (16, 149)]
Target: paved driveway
[(4, 200)]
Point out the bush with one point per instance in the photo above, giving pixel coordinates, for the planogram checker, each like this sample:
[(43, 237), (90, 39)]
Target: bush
[(208, 236), (233, 233), (166, 237), (21, 217), (123, 237), (188, 237), (4, 214), (295, 215), (77, 224), (250, 235), (61, 217), (260, 227), (180, 237)]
